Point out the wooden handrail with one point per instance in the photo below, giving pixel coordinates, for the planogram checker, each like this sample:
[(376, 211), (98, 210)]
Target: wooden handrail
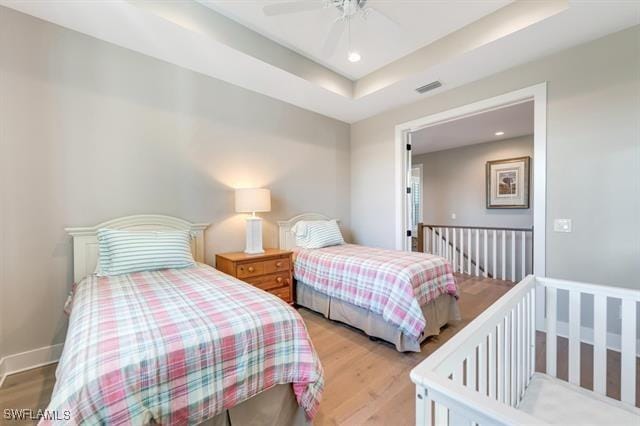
[(488, 228)]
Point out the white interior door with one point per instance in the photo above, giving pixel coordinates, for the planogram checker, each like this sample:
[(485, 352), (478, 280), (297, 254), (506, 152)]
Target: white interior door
[(408, 196)]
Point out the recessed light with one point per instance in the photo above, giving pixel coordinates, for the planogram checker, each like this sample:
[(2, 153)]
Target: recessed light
[(354, 56), (499, 133)]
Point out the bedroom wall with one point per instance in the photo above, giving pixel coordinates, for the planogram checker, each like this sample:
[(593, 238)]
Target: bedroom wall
[(593, 157), (91, 131), (453, 181)]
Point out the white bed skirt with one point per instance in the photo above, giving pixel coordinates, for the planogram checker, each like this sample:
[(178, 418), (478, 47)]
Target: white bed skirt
[(437, 313)]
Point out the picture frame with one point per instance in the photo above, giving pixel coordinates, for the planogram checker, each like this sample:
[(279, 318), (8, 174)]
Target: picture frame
[(507, 183)]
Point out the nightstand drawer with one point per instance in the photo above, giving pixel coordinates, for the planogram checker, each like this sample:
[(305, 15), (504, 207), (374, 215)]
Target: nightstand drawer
[(283, 293), (277, 265), (268, 282), (245, 270)]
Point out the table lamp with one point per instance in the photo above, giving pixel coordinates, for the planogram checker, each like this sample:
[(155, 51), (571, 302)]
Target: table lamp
[(252, 200)]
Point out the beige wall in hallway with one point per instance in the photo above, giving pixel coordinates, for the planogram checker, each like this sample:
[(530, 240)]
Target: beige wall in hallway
[(454, 182), (593, 157), (91, 131)]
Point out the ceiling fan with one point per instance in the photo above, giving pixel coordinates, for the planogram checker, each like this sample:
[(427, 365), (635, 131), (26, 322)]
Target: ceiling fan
[(347, 10)]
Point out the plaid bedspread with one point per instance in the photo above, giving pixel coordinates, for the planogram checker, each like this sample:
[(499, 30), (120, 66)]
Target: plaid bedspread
[(178, 346), (391, 283)]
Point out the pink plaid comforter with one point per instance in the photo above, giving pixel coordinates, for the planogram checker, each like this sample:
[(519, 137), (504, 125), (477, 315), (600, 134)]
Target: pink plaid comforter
[(391, 283), (178, 346)]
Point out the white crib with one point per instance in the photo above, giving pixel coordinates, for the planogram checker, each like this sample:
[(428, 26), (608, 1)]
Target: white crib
[(485, 374)]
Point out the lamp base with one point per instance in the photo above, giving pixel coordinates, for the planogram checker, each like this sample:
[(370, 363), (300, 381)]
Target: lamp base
[(254, 236)]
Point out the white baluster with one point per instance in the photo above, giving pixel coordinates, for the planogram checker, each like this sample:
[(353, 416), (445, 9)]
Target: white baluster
[(628, 352), (446, 245), (469, 252), (513, 256), (439, 241), (433, 240), (455, 247), (477, 252), (504, 255), (486, 254), (524, 255), (495, 254), (462, 251)]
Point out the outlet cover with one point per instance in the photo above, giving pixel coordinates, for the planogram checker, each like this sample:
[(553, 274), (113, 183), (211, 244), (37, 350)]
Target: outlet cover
[(562, 225)]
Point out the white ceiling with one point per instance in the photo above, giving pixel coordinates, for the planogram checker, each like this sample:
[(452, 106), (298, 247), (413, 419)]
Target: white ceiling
[(391, 30), (196, 37), (514, 121)]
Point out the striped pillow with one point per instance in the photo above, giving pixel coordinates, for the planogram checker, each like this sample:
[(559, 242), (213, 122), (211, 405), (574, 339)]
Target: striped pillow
[(318, 234), (122, 252)]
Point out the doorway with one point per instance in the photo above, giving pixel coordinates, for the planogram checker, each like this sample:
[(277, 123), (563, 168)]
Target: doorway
[(404, 201)]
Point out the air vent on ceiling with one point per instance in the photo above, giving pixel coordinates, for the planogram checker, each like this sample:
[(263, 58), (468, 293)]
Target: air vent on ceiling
[(427, 87)]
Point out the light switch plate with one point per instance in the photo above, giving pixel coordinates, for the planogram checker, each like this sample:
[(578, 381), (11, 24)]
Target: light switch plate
[(453, 216), (562, 225)]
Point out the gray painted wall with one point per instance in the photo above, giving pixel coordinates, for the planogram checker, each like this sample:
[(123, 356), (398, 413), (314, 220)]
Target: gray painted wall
[(593, 157), (454, 182), (91, 131)]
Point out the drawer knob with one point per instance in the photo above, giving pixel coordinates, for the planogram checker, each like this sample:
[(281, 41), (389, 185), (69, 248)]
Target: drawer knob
[(286, 281), (279, 279), (278, 264), (251, 269)]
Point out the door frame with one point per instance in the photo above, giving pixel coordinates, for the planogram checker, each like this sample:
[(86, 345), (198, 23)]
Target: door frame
[(537, 93)]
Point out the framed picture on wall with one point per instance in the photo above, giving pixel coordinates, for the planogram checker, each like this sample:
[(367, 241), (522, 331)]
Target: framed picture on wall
[(508, 183)]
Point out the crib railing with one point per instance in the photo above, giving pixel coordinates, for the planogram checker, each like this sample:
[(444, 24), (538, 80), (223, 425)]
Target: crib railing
[(480, 375)]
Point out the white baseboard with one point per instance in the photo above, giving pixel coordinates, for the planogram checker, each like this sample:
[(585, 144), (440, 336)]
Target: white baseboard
[(16, 363)]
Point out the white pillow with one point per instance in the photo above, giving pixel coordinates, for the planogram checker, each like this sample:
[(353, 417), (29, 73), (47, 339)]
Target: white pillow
[(318, 234), (123, 252)]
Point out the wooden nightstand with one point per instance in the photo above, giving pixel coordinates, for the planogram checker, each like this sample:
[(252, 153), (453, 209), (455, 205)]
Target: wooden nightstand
[(271, 271)]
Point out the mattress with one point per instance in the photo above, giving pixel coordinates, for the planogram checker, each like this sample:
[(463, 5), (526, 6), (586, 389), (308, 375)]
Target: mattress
[(555, 401)]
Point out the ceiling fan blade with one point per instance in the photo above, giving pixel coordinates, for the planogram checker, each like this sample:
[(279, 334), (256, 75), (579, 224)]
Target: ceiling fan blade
[(331, 42), (384, 15), (291, 7)]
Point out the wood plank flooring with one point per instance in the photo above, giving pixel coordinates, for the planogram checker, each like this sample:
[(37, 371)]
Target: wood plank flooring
[(367, 382)]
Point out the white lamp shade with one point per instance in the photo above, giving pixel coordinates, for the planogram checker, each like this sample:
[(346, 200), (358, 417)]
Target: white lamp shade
[(250, 200)]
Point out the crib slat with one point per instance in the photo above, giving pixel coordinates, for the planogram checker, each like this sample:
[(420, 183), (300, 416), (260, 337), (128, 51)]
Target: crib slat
[(600, 344), (532, 331), (551, 330), (500, 350), (441, 414), (477, 252), (514, 358), (458, 374), (527, 335), (492, 364), (471, 370), (628, 352), (507, 359), (482, 367), (504, 255), (574, 337), (521, 365)]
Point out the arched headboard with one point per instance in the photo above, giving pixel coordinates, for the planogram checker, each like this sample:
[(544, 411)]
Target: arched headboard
[(85, 240), (286, 238)]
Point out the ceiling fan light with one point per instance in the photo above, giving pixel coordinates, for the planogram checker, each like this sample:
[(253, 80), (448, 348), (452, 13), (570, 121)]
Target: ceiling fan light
[(354, 56)]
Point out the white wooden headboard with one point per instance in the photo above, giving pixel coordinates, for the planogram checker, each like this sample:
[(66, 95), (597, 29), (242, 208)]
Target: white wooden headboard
[(85, 240), (286, 238)]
